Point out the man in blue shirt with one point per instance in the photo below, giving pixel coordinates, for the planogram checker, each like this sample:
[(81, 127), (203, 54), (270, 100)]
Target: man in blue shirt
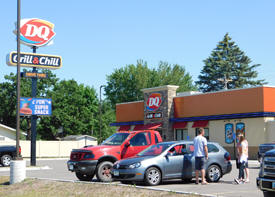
[(200, 153)]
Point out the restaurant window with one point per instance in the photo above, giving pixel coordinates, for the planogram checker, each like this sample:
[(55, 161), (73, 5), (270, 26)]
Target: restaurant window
[(181, 134), (206, 133)]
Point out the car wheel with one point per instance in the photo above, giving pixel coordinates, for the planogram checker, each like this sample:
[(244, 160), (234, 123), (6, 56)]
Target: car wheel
[(268, 194), (213, 173), (103, 172), (84, 177), (6, 160), (152, 176)]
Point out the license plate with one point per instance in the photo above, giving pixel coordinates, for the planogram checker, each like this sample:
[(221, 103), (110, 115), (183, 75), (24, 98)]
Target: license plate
[(273, 185), (116, 173), (71, 167)]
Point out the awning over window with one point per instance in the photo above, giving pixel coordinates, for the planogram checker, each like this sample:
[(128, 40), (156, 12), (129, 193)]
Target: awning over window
[(147, 126), (179, 125), (200, 123), (124, 128)]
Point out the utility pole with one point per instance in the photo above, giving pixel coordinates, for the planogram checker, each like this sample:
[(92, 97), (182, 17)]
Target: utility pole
[(100, 113), (225, 81), (18, 156)]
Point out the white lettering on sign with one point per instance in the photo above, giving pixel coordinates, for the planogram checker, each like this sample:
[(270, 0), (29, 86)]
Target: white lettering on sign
[(49, 61), (153, 115), (41, 32), (154, 102), (41, 107), (45, 112)]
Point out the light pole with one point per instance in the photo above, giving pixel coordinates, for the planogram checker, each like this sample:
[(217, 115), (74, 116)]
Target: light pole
[(18, 157), (18, 166), (100, 112)]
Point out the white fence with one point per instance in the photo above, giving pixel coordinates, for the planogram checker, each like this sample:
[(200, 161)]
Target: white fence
[(50, 148)]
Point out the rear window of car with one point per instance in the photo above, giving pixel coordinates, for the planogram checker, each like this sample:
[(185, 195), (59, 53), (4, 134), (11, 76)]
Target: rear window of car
[(212, 148)]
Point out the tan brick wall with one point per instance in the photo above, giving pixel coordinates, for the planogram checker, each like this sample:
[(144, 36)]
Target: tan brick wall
[(50, 148)]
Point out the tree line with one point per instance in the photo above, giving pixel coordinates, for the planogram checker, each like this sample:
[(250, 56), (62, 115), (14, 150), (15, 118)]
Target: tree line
[(75, 107)]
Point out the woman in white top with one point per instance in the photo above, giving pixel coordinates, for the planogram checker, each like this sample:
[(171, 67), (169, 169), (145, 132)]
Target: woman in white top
[(242, 149)]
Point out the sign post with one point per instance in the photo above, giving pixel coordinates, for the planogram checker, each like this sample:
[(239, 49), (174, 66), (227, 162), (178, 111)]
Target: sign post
[(33, 118)]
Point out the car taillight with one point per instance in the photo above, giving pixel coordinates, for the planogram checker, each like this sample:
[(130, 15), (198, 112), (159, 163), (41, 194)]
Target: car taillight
[(227, 156), (75, 156), (19, 150)]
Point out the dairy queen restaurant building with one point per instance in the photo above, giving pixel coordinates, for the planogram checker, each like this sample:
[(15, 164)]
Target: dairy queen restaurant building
[(223, 114)]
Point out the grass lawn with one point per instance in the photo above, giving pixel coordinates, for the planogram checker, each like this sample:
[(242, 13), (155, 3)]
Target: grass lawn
[(47, 188)]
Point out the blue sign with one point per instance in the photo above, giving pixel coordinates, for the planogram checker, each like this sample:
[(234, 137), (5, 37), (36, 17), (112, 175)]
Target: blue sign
[(229, 133), (35, 106)]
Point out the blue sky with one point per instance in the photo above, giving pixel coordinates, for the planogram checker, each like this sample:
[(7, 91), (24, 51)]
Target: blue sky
[(96, 37)]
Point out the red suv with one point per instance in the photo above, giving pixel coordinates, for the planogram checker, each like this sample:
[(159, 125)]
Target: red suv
[(99, 159)]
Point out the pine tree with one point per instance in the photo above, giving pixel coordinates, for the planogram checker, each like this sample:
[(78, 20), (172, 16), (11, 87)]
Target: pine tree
[(228, 61)]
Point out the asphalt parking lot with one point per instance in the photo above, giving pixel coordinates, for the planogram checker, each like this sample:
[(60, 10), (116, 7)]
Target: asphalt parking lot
[(57, 169)]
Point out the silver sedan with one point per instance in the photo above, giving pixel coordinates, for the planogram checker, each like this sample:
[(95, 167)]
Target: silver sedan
[(171, 160)]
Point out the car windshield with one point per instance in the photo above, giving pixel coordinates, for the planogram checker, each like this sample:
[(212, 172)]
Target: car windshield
[(154, 150), (115, 139)]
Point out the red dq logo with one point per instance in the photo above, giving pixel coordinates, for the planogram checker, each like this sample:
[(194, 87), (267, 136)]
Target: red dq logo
[(153, 102), (36, 32)]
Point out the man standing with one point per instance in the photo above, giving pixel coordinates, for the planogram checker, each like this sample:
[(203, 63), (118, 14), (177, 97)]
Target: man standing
[(200, 153)]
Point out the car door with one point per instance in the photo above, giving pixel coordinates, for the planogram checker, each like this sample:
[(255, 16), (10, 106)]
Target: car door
[(173, 163), (189, 161), (137, 143)]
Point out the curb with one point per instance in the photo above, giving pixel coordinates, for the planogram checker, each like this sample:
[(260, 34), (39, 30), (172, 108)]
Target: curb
[(7, 169)]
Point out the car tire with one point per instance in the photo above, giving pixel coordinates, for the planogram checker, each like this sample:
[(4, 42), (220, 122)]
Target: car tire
[(268, 193), (103, 172), (84, 177), (6, 160), (152, 176), (213, 173)]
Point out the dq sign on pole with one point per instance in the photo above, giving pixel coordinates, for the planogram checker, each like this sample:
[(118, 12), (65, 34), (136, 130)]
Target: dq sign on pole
[(36, 32)]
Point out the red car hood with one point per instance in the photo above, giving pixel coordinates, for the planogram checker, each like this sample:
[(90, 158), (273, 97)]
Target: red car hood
[(105, 149)]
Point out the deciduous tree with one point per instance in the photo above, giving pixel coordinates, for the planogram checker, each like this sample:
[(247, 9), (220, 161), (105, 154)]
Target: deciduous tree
[(125, 84)]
